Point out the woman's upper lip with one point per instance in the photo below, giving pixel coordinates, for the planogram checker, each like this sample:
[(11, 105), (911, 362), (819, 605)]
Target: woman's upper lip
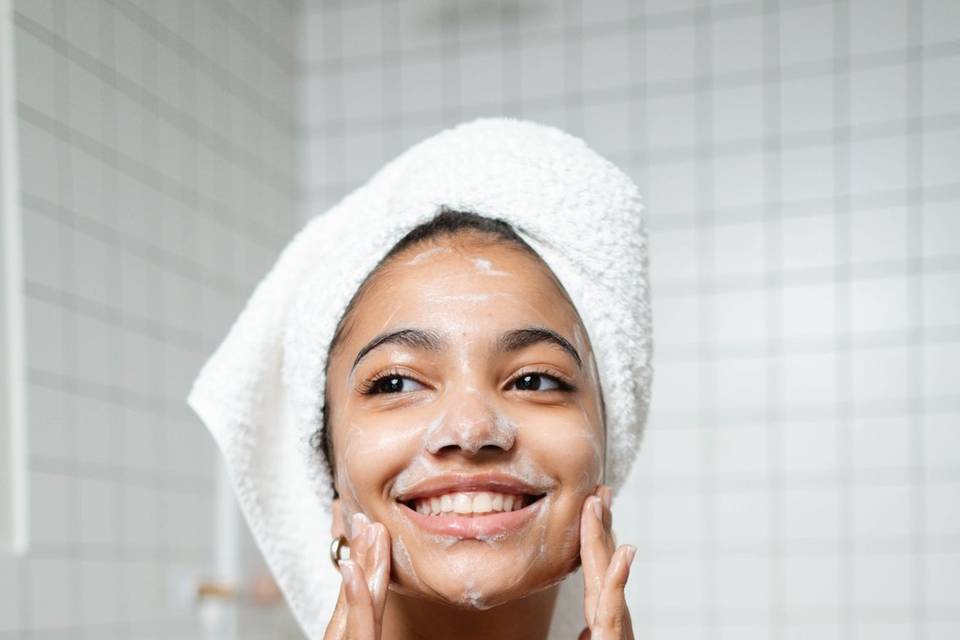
[(453, 482)]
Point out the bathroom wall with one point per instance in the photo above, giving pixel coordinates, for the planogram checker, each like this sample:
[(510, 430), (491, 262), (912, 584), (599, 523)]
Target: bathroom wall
[(799, 477), (159, 182)]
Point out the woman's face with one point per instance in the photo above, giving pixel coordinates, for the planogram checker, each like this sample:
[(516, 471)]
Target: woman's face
[(465, 416)]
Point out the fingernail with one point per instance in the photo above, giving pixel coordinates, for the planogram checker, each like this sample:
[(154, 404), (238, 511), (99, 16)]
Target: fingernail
[(369, 534), (607, 494), (631, 552), (597, 509), (346, 569)]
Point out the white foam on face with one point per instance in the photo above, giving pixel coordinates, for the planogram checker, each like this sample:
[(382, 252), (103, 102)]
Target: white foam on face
[(431, 431), (402, 558), (349, 498), (426, 254), (443, 541), (485, 267), (472, 433)]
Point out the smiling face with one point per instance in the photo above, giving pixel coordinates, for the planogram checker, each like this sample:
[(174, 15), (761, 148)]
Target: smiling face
[(471, 423)]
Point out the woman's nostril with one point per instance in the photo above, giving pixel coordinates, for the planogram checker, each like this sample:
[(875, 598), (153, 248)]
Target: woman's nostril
[(448, 448)]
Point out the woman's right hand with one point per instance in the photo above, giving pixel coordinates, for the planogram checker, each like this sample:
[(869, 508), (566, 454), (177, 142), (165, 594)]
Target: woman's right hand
[(363, 592)]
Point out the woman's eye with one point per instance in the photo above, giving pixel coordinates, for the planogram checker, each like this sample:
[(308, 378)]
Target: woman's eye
[(539, 382), (392, 384)]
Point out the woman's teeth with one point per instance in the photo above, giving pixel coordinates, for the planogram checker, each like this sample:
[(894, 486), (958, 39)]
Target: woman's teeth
[(468, 503)]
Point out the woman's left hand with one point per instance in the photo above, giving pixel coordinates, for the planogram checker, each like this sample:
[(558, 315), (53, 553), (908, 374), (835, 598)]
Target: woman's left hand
[(605, 571)]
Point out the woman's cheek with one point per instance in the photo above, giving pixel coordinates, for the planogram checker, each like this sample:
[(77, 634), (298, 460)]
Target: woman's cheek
[(370, 453), (570, 447)]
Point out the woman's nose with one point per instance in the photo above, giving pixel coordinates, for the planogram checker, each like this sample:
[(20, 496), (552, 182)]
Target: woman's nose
[(470, 424)]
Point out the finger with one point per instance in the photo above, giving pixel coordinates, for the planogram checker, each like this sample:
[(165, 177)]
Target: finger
[(360, 617), (606, 495), (337, 627), (613, 617), (380, 575), (610, 538), (366, 540), (358, 538), (594, 554)]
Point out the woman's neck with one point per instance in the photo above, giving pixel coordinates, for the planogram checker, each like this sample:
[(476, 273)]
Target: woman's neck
[(409, 618)]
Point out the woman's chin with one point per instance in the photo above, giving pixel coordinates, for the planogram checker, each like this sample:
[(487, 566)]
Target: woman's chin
[(484, 588)]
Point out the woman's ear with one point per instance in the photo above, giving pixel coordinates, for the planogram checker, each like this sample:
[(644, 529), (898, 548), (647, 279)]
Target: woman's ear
[(337, 525)]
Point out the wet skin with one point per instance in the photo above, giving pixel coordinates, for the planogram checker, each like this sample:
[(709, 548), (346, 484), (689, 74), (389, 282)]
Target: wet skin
[(492, 374)]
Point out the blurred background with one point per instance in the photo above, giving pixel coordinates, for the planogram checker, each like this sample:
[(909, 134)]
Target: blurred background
[(800, 161)]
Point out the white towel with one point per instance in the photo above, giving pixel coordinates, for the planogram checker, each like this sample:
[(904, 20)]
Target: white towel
[(261, 393)]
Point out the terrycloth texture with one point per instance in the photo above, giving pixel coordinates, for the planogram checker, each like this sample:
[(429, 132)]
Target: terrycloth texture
[(261, 392)]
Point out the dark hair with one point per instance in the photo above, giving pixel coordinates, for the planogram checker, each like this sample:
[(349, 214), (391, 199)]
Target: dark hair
[(447, 222)]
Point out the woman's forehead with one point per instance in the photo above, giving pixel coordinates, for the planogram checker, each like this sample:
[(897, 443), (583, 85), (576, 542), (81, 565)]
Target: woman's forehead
[(464, 290), (465, 293)]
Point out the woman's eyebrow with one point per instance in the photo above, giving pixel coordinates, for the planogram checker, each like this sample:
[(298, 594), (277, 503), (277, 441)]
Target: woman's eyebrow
[(512, 340), (521, 338), (416, 338)]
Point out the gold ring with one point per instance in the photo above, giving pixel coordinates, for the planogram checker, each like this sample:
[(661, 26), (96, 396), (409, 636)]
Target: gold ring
[(336, 545)]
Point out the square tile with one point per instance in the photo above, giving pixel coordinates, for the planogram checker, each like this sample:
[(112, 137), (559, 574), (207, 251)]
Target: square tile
[(740, 516), (941, 515), (607, 61), (811, 581), (808, 310), (811, 514), (877, 25), (879, 235), (883, 580), (806, 104), (672, 188), (882, 304), (738, 114), (881, 375), (741, 383), (881, 511), (677, 320), (740, 449), (806, 33), (807, 242), (669, 54), (881, 443), (737, 44), (879, 95), (741, 316), (939, 157), (809, 446), (739, 249), (810, 380)]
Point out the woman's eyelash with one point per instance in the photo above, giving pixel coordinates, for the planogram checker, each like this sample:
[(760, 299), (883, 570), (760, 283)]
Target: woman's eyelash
[(562, 384), (371, 387)]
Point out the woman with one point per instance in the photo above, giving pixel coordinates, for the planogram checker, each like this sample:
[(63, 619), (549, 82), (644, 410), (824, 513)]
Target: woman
[(486, 377)]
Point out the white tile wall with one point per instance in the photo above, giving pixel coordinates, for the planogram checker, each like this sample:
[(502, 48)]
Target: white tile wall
[(158, 147), (799, 165)]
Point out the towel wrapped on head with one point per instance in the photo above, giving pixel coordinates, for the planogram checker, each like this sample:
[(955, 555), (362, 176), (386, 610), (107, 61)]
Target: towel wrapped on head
[(261, 393)]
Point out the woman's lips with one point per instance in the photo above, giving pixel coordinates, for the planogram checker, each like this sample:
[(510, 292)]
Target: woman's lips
[(476, 525)]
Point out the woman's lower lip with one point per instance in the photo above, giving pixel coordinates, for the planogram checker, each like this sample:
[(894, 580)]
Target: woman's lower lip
[(482, 526)]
